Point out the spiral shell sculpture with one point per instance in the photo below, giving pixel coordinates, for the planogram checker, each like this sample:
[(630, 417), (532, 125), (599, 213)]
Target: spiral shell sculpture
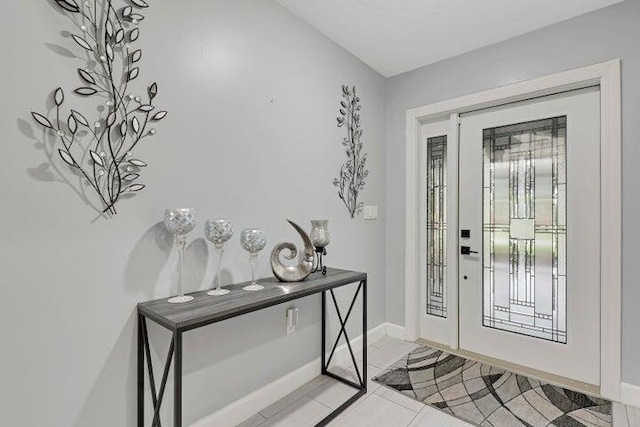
[(295, 273)]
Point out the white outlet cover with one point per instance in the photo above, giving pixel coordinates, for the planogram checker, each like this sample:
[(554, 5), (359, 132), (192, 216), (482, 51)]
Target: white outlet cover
[(292, 320)]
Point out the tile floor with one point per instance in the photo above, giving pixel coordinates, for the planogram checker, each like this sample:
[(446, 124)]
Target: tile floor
[(380, 407)]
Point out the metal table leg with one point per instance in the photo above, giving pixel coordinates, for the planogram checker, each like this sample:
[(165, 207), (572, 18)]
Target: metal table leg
[(140, 373), (323, 367), (365, 331), (177, 381), (361, 386), (144, 354)]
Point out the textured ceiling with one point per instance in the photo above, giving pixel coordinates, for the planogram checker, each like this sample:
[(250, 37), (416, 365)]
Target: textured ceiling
[(394, 36)]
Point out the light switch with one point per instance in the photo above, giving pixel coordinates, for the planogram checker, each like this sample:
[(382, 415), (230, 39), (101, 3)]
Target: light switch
[(370, 212)]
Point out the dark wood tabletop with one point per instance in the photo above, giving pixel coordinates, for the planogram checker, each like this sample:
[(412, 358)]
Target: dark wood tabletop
[(206, 309)]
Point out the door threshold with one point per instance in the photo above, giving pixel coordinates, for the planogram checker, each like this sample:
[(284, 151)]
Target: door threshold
[(554, 379)]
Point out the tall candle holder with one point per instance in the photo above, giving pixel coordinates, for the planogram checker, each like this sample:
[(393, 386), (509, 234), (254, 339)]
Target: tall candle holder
[(218, 231), (320, 239), (253, 240), (179, 222)]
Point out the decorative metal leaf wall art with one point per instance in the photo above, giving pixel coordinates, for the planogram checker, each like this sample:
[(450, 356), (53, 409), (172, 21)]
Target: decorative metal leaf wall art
[(101, 151), (352, 174)]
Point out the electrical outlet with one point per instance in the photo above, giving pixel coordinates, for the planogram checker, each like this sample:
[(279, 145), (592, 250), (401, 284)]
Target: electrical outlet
[(292, 320)]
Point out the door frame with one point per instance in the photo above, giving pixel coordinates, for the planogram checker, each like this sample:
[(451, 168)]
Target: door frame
[(608, 76)]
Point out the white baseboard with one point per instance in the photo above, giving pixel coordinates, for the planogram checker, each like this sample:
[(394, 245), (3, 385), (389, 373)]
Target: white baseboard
[(619, 416), (240, 410), (630, 394), (395, 331), (625, 415)]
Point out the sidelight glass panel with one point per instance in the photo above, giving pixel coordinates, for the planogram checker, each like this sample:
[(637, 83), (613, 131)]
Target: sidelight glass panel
[(437, 226), (525, 229)]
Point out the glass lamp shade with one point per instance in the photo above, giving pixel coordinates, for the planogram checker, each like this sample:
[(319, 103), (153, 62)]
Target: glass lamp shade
[(320, 233)]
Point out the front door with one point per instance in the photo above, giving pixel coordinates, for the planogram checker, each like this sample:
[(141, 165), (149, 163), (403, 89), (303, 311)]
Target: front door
[(529, 234)]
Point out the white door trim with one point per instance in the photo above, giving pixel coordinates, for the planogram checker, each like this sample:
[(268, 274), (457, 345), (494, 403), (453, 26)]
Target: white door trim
[(608, 76)]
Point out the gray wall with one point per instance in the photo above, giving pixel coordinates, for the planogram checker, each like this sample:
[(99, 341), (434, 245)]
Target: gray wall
[(252, 94), (610, 33)]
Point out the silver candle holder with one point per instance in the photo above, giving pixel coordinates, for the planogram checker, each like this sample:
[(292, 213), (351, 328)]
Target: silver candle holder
[(320, 239), (179, 222), (218, 232), (253, 240)]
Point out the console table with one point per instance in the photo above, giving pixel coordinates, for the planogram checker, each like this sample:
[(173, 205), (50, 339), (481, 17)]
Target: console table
[(206, 310)]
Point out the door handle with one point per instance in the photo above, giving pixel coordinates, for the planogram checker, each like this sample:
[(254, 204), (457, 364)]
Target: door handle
[(466, 250)]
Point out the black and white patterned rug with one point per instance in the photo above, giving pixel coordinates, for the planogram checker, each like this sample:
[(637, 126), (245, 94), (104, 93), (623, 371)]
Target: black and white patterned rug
[(488, 396)]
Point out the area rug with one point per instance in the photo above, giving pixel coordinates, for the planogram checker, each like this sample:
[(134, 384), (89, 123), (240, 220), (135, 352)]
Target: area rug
[(488, 396)]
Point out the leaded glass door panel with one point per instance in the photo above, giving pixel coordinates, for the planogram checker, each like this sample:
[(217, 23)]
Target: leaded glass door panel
[(438, 269), (529, 194)]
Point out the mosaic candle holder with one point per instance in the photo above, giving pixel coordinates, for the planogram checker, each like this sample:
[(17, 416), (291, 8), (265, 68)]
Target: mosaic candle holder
[(253, 240), (179, 222), (218, 231), (320, 238)]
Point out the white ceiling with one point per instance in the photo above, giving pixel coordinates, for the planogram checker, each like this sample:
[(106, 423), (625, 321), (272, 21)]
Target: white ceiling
[(394, 36)]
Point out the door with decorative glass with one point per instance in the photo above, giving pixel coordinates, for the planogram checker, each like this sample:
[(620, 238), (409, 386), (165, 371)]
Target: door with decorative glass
[(438, 274), (529, 202)]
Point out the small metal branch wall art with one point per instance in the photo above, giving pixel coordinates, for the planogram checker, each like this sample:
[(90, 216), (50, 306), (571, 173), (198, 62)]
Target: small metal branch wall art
[(352, 174), (101, 151)]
